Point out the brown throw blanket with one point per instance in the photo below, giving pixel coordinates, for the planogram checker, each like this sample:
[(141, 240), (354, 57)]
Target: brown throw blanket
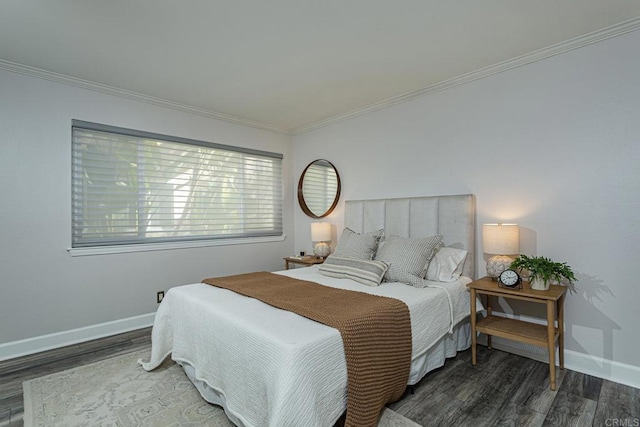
[(376, 332)]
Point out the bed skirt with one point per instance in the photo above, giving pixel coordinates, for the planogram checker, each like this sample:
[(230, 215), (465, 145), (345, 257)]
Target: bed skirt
[(446, 348), (434, 358)]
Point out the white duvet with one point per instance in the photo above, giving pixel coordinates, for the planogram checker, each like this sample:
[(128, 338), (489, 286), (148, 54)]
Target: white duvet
[(270, 367)]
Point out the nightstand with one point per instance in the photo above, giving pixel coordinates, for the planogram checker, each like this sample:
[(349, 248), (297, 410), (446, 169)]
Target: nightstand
[(305, 260), (519, 330)]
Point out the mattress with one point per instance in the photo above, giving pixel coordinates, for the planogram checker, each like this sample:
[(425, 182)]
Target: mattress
[(269, 367)]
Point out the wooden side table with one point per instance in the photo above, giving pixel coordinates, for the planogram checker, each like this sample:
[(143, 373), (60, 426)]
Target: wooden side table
[(306, 260), (520, 330)]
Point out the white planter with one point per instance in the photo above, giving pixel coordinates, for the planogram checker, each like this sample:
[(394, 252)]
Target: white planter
[(538, 284)]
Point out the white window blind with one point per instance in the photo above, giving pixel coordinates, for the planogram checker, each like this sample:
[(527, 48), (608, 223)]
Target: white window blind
[(133, 187)]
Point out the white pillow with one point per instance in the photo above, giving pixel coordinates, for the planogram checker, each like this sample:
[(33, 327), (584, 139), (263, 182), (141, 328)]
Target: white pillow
[(446, 265)]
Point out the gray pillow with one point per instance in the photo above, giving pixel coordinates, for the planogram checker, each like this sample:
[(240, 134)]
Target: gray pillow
[(408, 258), (368, 273), (356, 245)]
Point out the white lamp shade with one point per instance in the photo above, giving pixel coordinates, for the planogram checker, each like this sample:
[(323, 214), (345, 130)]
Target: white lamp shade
[(501, 239), (320, 231)]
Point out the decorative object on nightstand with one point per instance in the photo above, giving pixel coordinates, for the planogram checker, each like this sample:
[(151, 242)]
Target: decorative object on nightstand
[(544, 271), (510, 279), (321, 233), (500, 240)]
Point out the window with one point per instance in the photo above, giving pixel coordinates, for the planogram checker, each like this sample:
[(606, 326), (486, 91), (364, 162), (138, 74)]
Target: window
[(132, 187)]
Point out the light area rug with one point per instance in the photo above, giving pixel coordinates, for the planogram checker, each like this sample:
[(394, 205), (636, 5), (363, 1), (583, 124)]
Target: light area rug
[(118, 392)]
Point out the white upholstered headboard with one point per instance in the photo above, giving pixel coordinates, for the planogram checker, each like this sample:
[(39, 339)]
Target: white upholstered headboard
[(451, 216)]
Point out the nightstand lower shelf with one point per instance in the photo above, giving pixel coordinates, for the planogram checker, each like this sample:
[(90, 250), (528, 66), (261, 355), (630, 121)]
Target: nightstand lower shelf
[(517, 330)]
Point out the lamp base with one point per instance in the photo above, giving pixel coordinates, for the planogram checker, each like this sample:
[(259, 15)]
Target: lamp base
[(497, 264), (322, 250)]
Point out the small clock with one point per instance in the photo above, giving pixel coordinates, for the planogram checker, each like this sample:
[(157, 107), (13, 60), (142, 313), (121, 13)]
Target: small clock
[(510, 279)]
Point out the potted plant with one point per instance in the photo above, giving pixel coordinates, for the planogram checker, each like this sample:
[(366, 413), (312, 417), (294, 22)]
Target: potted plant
[(543, 271)]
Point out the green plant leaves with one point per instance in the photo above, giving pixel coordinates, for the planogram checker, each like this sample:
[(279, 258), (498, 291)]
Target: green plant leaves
[(544, 268)]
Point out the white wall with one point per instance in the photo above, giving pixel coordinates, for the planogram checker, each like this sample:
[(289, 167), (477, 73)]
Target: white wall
[(43, 289), (552, 145)]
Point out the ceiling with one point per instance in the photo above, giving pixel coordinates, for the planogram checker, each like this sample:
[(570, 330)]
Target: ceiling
[(286, 65)]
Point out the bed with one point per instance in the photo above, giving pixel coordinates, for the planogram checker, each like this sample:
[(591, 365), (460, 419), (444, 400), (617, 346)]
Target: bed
[(270, 367)]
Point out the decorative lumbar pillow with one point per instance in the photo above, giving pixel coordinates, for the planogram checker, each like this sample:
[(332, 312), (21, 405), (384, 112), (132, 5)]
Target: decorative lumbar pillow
[(408, 258), (356, 245), (368, 273), (446, 265)]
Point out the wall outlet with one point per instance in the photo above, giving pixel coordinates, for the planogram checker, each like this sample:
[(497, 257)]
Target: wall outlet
[(159, 296)]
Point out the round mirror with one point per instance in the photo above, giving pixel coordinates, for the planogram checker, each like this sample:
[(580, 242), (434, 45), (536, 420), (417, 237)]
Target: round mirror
[(319, 189)]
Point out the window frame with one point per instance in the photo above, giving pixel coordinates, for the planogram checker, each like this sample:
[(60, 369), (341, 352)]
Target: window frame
[(146, 244)]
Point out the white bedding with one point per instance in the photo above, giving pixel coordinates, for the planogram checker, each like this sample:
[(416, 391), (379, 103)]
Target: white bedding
[(270, 367)]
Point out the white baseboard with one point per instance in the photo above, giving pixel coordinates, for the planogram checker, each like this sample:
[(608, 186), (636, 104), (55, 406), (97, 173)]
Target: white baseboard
[(602, 368), (28, 346), (591, 365)]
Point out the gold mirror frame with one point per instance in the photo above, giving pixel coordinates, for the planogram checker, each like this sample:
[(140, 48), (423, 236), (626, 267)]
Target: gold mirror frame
[(321, 201)]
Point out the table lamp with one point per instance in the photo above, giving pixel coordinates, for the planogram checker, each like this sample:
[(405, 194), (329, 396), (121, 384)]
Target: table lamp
[(321, 233), (500, 240)]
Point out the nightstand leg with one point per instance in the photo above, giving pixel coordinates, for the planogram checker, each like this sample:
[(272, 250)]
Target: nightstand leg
[(489, 310), (551, 332), (473, 327), (561, 331)]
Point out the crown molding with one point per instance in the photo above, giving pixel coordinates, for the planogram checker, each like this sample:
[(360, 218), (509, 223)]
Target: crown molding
[(123, 93), (536, 55)]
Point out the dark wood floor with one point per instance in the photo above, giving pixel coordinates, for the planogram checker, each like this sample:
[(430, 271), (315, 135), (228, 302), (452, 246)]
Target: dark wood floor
[(502, 390), (509, 390)]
